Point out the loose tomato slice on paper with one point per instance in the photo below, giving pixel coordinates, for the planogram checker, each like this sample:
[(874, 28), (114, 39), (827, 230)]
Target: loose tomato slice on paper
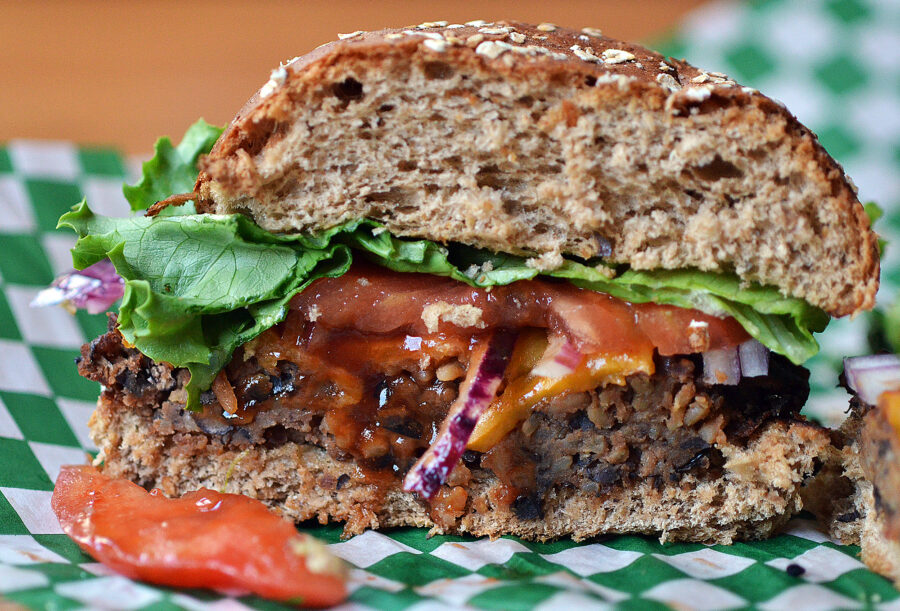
[(205, 539)]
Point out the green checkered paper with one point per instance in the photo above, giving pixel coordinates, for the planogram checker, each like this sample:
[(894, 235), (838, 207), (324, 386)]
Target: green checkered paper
[(44, 404)]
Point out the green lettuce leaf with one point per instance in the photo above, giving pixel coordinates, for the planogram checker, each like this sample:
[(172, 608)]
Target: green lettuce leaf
[(172, 170), (198, 286)]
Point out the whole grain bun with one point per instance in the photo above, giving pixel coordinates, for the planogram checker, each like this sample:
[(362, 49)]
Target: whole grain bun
[(543, 141)]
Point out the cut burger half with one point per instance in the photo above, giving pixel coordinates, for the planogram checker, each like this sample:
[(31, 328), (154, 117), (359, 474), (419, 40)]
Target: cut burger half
[(857, 492), (482, 278)]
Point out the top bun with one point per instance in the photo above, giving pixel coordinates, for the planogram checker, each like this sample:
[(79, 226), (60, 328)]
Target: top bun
[(544, 141)]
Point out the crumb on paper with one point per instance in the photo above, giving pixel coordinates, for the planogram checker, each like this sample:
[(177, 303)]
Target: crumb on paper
[(318, 558)]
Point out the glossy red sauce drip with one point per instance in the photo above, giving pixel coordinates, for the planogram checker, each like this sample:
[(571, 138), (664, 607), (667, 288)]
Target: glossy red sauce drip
[(369, 361)]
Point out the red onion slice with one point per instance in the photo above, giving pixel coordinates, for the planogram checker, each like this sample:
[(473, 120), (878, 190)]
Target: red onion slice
[(559, 359), (754, 359), (477, 392), (870, 376), (94, 289), (722, 366)]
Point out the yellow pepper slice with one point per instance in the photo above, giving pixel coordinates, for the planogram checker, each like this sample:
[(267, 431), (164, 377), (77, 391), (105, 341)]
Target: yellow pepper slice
[(524, 390), (889, 402)]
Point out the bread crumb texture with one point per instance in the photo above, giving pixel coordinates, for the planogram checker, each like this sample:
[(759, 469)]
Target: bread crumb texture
[(880, 553), (303, 482), (543, 141), (465, 315)]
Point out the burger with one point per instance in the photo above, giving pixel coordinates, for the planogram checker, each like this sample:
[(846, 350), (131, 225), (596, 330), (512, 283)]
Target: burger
[(857, 492), (486, 278)]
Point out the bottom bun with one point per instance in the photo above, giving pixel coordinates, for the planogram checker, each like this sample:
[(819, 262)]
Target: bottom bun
[(754, 492), (880, 553), (862, 465)]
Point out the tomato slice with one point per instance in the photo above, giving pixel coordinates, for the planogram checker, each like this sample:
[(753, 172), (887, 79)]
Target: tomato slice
[(670, 329), (205, 539), (373, 300)]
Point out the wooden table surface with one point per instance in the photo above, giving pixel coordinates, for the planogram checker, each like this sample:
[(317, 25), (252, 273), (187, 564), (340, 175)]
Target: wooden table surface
[(123, 73)]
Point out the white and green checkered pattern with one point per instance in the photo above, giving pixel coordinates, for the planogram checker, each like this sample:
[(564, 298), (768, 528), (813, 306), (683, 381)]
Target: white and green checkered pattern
[(44, 405)]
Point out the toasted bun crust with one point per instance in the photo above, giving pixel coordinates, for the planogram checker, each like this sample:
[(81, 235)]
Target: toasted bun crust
[(546, 141)]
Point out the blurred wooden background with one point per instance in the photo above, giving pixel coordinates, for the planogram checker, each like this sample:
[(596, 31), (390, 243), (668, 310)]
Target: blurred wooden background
[(124, 73)]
